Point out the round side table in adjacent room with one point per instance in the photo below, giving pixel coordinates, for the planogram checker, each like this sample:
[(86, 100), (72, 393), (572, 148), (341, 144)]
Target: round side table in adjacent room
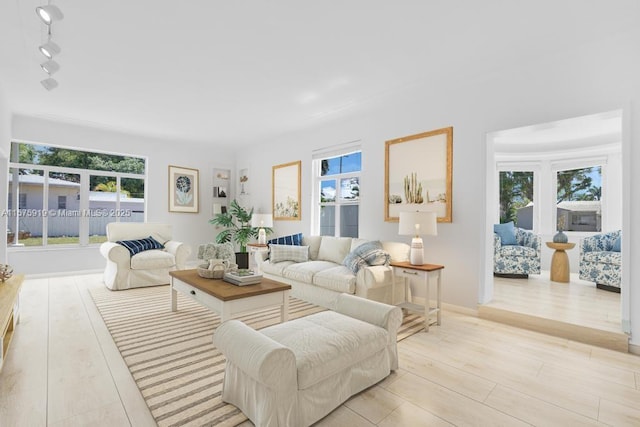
[(560, 261)]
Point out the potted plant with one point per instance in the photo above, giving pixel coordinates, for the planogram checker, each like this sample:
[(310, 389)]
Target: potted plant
[(237, 228)]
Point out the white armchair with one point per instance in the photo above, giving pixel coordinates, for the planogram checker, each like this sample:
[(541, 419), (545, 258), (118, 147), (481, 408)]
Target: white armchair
[(146, 268)]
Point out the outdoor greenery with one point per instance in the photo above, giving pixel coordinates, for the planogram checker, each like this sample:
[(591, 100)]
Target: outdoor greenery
[(516, 189), (67, 240), (67, 158), (237, 226)]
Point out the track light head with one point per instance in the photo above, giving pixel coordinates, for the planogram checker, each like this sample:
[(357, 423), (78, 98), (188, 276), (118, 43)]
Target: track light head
[(49, 49), (49, 84), (49, 13), (50, 67)]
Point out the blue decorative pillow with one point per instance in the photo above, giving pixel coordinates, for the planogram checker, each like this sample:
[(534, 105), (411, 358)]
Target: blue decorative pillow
[(617, 245), (294, 239), (137, 246), (507, 233), (368, 253)]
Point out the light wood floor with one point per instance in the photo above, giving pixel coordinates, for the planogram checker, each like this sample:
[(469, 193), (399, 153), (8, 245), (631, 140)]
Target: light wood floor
[(576, 310), (64, 370)]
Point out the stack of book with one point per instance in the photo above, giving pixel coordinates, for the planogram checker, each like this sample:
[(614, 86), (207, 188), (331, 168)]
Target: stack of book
[(242, 277)]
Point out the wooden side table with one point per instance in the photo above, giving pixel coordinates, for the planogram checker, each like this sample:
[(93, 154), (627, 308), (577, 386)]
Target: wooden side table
[(9, 312), (427, 272), (560, 261)]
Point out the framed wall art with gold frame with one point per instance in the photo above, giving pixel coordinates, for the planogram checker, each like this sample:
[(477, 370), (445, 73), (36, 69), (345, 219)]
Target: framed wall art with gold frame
[(285, 191), (418, 174)]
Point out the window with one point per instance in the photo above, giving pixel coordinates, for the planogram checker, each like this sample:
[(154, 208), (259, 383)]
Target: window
[(516, 198), (72, 194), (578, 194), (337, 194)]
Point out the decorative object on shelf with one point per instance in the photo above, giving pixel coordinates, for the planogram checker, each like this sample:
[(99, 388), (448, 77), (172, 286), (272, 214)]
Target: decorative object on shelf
[(263, 222), (560, 237), (6, 271), (286, 191), (237, 228), (48, 14), (183, 190), (244, 182), (417, 224), (419, 167)]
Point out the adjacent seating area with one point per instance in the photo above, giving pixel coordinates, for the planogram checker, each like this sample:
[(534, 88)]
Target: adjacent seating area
[(295, 373), (601, 260), (517, 251), (139, 261)]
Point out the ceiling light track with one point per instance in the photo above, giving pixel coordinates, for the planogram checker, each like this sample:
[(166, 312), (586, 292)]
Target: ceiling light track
[(49, 14)]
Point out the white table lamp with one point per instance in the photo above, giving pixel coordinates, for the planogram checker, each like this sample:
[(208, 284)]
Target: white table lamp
[(418, 224), (262, 220)]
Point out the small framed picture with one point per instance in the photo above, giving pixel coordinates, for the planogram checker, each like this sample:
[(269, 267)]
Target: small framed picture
[(183, 189)]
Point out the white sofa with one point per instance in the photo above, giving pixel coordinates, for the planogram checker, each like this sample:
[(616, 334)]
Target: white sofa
[(323, 277), (147, 268), (295, 373)]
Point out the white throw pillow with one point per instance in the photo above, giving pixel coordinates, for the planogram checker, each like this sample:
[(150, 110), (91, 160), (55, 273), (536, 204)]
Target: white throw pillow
[(334, 249), (279, 253)]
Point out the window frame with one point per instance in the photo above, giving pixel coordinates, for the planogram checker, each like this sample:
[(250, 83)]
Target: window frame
[(339, 202), (13, 221)]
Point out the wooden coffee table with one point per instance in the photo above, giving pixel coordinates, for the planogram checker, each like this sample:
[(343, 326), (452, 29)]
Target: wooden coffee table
[(229, 300)]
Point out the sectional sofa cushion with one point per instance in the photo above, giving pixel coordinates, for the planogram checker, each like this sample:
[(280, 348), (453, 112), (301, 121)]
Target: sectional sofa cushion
[(139, 245), (304, 272), (152, 260), (617, 245), (339, 279), (279, 253), (334, 249)]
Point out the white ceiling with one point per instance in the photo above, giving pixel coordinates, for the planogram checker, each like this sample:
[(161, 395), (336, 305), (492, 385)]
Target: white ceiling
[(238, 71)]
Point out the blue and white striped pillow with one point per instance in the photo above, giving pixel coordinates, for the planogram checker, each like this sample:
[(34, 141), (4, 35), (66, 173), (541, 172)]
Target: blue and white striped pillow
[(293, 239), (139, 245)]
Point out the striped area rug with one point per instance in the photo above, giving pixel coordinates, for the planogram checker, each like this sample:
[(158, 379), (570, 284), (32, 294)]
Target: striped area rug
[(171, 355)]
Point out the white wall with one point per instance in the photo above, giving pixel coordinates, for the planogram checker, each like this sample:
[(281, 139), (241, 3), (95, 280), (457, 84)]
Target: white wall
[(594, 78), (5, 140), (190, 228)]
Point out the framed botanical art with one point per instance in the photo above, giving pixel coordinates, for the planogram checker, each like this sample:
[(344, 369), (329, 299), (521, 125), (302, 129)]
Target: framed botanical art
[(285, 192), (183, 189), (418, 173)]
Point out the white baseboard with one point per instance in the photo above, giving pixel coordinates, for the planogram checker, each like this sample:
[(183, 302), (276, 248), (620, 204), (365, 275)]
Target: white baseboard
[(634, 349)]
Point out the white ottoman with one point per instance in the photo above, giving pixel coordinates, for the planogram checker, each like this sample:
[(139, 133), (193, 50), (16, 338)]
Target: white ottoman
[(295, 373)]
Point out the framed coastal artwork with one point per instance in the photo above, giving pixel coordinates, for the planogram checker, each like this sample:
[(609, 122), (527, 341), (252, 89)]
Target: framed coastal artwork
[(285, 191), (418, 174), (183, 189)]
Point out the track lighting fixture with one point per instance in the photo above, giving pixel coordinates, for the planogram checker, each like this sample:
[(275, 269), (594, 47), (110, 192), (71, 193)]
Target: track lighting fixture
[(49, 84), (50, 67), (49, 13), (49, 49)]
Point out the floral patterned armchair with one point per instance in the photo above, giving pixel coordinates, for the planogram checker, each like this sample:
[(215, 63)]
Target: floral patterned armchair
[(601, 260), (518, 260)]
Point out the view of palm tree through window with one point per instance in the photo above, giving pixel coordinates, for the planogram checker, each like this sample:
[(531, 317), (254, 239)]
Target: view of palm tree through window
[(578, 198), (67, 196)]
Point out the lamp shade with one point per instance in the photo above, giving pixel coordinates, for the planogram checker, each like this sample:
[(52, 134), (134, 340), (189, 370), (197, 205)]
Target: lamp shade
[(49, 13), (261, 220), (418, 224)]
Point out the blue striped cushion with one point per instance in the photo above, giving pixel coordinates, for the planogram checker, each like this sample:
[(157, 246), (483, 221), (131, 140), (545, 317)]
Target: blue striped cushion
[(294, 239), (139, 245)]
